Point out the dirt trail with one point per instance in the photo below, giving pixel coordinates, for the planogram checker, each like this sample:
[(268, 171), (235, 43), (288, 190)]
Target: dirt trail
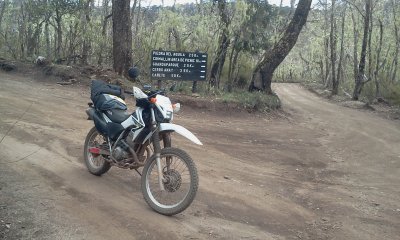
[(325, 172)]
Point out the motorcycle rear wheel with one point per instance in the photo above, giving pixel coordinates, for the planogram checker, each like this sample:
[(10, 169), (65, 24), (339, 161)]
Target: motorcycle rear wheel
[(181, 182), (96, 165)]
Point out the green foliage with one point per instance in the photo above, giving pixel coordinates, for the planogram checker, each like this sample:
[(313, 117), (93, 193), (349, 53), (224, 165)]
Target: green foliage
[(255, 101), (254, 36), (394, 95), (255, 26), (309, 61)]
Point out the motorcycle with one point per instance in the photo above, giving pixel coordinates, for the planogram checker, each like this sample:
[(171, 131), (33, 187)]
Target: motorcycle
[(169, 179)]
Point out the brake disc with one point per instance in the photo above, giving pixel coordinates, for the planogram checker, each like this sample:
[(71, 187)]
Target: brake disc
[(173, 180)]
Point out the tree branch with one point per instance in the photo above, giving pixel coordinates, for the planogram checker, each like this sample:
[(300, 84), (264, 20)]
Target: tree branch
[(108, 16), (356, 7)]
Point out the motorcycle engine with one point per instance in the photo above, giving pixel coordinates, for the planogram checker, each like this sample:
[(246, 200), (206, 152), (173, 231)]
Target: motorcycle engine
[(119, 153)]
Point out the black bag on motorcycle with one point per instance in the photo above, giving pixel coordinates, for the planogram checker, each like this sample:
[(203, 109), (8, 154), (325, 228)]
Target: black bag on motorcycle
[(102, 96)]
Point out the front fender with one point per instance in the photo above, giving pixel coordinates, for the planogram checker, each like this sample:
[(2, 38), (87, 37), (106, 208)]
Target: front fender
[(180, 130)]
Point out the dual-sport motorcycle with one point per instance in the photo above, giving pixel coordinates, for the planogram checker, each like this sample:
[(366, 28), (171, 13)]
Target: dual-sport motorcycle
[(169, 178)]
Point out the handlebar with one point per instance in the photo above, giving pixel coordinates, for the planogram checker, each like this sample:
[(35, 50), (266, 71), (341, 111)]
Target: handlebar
[(150, 94), (155, 92)]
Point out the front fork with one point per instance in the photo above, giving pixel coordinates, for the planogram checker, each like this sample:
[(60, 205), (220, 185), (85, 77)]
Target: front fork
[(157, 149), (167, 143)]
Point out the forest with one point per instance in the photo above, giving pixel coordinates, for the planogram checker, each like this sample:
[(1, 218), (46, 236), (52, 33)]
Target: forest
[(348, 47)]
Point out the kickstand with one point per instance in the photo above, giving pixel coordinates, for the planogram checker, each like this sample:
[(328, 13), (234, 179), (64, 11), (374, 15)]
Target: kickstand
[(138, 172)]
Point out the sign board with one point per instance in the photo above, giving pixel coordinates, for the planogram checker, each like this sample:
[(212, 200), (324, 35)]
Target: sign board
[(170, 65)]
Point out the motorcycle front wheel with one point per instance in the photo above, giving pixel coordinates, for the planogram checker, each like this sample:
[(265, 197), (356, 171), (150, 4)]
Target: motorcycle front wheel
[(180, 182)]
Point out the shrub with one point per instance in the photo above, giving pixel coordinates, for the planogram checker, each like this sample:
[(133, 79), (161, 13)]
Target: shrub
[(256, 101)]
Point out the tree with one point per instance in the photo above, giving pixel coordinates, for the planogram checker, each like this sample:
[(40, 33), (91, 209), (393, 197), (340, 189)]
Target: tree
[(397, 38), (360, 78), (341, 56), (263, 73), (333, 45), (61, 8), (223, 44), (85, 21), (249, 25), (3, 9), (122, 36)]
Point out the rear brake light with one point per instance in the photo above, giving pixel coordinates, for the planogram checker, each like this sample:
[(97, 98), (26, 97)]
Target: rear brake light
[(94, 150)]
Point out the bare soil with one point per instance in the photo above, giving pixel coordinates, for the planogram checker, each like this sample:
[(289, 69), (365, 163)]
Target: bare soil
[(315, 171)]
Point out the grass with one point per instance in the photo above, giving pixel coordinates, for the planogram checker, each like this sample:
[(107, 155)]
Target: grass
[(257, 101)]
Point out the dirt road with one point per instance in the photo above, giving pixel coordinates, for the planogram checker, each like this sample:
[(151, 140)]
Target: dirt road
[(321, 172)]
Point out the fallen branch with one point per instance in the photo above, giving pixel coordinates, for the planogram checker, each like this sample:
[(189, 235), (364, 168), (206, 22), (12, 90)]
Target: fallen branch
[(68, 82)]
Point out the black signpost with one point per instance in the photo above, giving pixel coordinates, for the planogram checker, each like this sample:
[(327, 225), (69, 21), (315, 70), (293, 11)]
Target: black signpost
[(184, 66)]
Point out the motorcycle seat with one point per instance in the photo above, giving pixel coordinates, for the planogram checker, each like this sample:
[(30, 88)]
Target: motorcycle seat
[(117, 115)]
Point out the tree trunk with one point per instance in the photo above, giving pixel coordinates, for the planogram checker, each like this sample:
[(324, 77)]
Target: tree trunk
[(2, 11), (47, 37), (122, 36), (232, 79), (355, 44), (377, 65), (281, 49), (133, 11), (333, 46), (339, 70), (370, 60), (223, 44), (71, 55), (360, 79), (103, 40), (59, 34), (231, 66), (86, 45), (33, 39), (292, 3), (21, 31), (397, 45), (178, 39), (327, 79)]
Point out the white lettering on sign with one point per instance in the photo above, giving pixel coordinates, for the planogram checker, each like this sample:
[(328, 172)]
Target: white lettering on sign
[(178, 65), (159, 53), (158, 75), (175, 75), (178, 54), (188, 65), (162, 64)]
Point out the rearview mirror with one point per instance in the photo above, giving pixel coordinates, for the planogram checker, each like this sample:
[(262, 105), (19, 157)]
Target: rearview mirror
[(133, 72), (147, 87)]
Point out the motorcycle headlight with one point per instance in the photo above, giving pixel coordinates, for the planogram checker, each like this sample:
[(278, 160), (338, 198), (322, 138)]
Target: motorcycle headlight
[(169, 115)]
